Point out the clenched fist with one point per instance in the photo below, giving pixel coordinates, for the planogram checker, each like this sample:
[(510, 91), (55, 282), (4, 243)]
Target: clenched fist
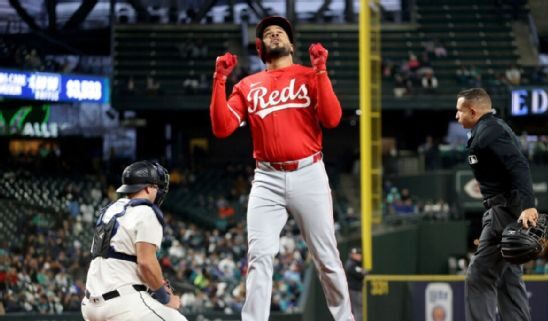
[(318, 56), (225, 64)]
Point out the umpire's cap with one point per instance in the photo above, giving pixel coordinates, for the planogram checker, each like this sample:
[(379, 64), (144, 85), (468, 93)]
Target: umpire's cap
[(142, 174), (520, 245)]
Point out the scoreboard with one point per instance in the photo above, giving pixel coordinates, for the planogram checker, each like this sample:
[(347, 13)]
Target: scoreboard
[(54, 87)]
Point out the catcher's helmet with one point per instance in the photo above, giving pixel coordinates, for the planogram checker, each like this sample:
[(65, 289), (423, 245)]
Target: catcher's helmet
[(142, 174), (520, 245), (269, 21)]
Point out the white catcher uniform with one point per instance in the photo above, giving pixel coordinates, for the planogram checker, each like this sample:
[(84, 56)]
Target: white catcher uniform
[(139, 224)]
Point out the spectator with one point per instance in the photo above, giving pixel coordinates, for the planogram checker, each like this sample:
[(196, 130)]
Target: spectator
[(431, 153), (475, 76), (186, 48), (513, 75), (191, 83), (429, 82), (199, 49), (33, 60), (439, 49), (413, 63), (153, 87), (462, 75), (428, 46), (130, 88), (402, 85)]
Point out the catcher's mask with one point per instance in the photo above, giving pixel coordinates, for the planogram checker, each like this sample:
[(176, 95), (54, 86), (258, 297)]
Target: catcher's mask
[(142, 174), (269, 21), (520, 245)]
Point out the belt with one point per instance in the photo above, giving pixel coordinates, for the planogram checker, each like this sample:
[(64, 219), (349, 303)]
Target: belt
[(504, 199), (290, 166), (114, 294)]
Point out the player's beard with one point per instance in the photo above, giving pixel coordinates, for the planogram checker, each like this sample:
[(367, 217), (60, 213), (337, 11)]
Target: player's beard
[(277, 52)]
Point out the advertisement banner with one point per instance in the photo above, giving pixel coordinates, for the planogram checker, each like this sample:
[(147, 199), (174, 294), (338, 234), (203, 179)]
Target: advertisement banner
[(470, 198), (529, 101), (439, 302), (53, 87), (434, 297)]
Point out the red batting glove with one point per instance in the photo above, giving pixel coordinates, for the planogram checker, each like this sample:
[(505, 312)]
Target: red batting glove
[(224, 65), (318, 56)]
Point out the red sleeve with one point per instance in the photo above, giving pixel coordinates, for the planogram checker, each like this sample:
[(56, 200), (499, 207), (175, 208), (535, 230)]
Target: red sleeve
[(328, 106), (225, 116)]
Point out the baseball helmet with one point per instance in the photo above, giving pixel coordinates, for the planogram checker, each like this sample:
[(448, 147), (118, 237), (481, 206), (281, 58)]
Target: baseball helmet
[(269, 21), (520, 245), (142, 174)]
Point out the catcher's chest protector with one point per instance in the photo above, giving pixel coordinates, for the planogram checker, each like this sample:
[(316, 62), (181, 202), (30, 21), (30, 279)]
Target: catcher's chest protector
[(105, 231)]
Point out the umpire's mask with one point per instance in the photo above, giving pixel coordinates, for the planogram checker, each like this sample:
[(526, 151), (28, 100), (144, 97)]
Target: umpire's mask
[(142, 174)]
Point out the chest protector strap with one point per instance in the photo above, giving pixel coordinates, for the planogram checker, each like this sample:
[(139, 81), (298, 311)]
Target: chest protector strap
[(105, 231)]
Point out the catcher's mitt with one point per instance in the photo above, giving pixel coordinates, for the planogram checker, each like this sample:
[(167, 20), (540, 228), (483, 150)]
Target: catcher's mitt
[(520, 245)]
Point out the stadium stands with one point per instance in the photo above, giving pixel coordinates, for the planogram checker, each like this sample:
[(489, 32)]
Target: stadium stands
[(173, 58), (48, 223), (48, 216), (342, 43), (473, 39)]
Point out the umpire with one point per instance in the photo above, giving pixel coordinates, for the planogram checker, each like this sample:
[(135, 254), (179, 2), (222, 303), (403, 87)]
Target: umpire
[(505, 183), (355, 274)]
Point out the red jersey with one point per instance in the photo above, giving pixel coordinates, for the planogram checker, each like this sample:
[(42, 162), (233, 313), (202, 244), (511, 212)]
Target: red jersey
[(285, 109)]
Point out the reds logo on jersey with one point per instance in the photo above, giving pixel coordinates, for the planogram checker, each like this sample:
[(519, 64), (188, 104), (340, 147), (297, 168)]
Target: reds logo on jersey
[(264, 103)]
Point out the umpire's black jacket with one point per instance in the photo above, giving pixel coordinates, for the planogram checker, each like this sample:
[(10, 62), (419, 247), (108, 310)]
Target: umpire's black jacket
[(498, 164)]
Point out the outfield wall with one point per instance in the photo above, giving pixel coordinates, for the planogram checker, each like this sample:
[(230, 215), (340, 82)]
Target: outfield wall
[(419, 298)]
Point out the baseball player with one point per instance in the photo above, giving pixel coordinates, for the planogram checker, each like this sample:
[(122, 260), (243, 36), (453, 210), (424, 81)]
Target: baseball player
[(286, 106), (505, 183), (124, 280)]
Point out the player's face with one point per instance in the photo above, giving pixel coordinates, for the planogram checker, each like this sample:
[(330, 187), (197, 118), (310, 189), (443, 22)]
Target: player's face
[(465, 114), (276, 42)]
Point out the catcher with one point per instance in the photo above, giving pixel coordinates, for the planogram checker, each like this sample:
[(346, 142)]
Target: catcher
[(124, 280)]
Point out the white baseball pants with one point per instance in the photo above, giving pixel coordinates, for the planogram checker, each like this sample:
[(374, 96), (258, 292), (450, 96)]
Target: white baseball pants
[(130, 305), (306, 195)]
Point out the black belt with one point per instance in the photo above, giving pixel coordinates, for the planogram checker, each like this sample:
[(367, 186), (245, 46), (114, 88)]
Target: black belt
[(114, 294), (503, 199)]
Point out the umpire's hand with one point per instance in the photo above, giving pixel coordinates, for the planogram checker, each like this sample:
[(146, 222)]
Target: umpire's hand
[(528, 217)]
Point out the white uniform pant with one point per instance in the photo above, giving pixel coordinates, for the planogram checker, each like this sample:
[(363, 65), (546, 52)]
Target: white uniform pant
[(133, 306), (305, 193)]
